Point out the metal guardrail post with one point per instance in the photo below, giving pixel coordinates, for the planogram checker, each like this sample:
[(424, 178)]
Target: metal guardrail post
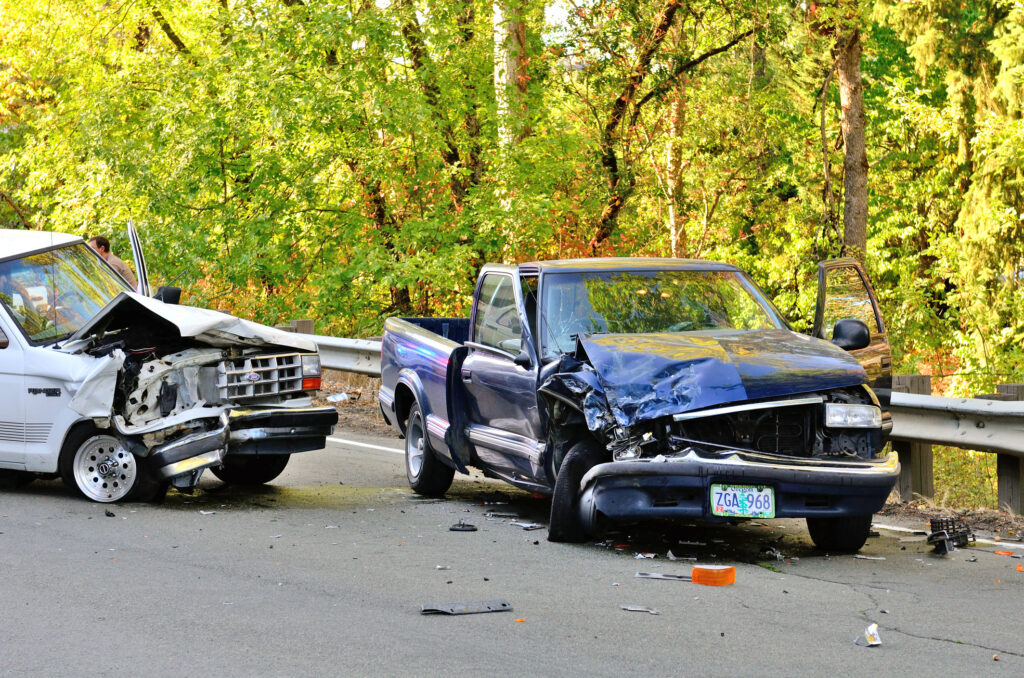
[(916, 459), (1010, 469)]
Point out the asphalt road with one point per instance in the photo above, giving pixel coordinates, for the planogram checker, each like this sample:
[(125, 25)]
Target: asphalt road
[(324, 572)]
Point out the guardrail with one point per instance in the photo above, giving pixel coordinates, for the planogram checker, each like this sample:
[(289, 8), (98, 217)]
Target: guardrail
[(349, 355), (920, 420)]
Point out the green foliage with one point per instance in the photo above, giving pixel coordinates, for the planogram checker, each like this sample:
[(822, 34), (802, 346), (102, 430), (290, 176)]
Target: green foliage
[(342, 161)]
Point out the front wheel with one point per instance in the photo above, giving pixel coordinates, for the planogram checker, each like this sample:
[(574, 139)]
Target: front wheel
[(244, 469), (565, 524), (843, 534), (427, 474), (102, 469)]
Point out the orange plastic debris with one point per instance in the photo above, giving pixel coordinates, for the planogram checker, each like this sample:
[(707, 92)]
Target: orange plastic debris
[(1020, 568), (1003, 553), (713, 575), (520, 620)]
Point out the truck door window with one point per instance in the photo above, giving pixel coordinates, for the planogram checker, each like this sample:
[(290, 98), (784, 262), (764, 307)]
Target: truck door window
[(846, 296), (497, 319)]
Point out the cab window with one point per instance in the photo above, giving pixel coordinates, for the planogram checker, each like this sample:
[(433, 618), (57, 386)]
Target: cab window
[(497, 319)]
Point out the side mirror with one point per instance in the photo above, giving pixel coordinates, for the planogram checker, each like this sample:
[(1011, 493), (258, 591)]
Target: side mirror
[(4, 341), (851, 335), (523, 360), (168, 295)]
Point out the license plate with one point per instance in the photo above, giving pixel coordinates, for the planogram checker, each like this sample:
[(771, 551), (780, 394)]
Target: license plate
[(743, 501)]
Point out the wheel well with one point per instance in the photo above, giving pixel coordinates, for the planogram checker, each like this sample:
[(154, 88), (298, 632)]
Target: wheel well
[(404, 399), (78, 426)]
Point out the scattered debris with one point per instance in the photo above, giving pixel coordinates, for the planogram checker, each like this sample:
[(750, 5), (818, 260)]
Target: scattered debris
[(337, 398), (480, 607), (774, 552), (443, 567), (462, 526), (871, 637), (643, 554), (108, 513), (528, 526), (1020, 568), (863, 557), (663, 575), (495, 514), (638, 608), (972, 559), (693, 543), (713, 575), (206, 513), (1003, 553), (330, 527), (948, 534)]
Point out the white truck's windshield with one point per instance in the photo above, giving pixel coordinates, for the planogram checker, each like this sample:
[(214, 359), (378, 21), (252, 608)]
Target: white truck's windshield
[(52, 294)]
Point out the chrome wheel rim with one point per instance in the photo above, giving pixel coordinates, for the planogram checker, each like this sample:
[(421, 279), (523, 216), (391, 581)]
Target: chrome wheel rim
[(104, 470), (414, 445)]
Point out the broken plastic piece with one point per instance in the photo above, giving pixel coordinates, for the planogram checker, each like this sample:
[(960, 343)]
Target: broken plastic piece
[(643, 555), (862, 557), (480, 607), (462, 526), (871, 637), (528, 526), (1003, 553), (495, 514), (337, 398), (663, 575), (638, 608), (948, 534), (1020, 568), (713, 575)]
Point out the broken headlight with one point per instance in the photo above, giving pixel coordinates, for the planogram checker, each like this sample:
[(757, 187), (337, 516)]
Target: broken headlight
[(311, 372), (842, 415)]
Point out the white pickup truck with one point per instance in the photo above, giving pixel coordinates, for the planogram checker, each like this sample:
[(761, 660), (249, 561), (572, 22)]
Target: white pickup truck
[(122, 395)]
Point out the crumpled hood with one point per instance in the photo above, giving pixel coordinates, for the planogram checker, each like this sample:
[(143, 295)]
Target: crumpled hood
[(645, 376), (128, 309)]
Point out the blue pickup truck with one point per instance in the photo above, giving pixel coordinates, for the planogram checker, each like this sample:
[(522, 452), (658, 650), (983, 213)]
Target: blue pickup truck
[(638, 389)]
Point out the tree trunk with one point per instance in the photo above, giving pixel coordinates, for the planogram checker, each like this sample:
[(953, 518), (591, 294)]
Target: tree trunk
[(509, 72), (855, 163), (674, 169)]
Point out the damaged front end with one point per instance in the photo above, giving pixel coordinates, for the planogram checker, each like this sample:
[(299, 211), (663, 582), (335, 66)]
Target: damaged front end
[(186, 389), (787, 420)]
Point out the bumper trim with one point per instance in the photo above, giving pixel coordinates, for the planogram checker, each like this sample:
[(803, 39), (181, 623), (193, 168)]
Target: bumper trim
[(679, 487)]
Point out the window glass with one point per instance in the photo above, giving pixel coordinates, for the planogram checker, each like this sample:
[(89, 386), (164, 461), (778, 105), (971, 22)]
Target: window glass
[(639, 302), (52, 294), (497, 320), (846, 297)]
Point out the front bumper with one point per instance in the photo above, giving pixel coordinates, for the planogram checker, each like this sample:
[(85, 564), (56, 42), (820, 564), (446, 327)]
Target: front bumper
[(679, 486), (256, 431), (280, 431)]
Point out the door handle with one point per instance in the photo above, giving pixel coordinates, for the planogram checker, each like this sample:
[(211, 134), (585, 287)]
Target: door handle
[(467, 376)]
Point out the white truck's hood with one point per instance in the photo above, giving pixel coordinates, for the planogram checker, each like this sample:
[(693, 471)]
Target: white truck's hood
[(210, 327)]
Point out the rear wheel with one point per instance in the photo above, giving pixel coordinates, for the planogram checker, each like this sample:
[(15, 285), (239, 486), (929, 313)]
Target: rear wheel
[(565, 524), (101, 469), (427, 474), (247, 469), (843, 534)]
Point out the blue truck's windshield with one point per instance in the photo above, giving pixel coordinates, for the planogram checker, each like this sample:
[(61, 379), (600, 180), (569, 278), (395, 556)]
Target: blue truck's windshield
[(52, 294), (645, 302)]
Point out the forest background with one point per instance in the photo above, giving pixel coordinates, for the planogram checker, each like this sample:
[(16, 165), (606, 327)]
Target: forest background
[(348, 161)]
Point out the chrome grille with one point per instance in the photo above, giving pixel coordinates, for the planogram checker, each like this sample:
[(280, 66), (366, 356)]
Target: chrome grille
[(259, 376)]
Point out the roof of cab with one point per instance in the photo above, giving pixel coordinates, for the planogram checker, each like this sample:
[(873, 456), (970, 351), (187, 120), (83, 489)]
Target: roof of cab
[(17, 243), (621, 263)]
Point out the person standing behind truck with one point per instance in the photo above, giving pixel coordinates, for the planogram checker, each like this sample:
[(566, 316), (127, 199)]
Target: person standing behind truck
[(102, 247)]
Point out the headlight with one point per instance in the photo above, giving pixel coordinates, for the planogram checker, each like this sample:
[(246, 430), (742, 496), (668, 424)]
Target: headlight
[(839, 415), (311, 372)]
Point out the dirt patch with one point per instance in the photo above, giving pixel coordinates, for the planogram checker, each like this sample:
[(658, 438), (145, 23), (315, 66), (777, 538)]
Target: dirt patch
[(357, 411), (998, 523)]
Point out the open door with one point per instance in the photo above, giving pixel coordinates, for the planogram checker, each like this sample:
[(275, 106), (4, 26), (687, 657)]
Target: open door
[(140, 260), (844, 292)]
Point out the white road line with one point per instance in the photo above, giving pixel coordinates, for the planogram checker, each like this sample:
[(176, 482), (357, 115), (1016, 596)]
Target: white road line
[(342, 441), (1000, 544)]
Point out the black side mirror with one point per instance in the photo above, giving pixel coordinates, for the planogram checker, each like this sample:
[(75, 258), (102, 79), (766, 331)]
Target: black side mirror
[(523, 360), (851, 335), (168, 295)]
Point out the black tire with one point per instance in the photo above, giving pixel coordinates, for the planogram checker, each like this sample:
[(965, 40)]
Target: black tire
[(427, 475), (244, 469), (14, 480), (100, 468), (565, 524), (845, 534)]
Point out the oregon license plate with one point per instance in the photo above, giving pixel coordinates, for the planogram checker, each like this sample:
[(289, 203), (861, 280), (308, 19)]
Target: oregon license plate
[(743, 501)]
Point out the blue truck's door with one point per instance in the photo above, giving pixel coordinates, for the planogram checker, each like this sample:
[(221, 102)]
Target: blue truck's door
[(504, 421)]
